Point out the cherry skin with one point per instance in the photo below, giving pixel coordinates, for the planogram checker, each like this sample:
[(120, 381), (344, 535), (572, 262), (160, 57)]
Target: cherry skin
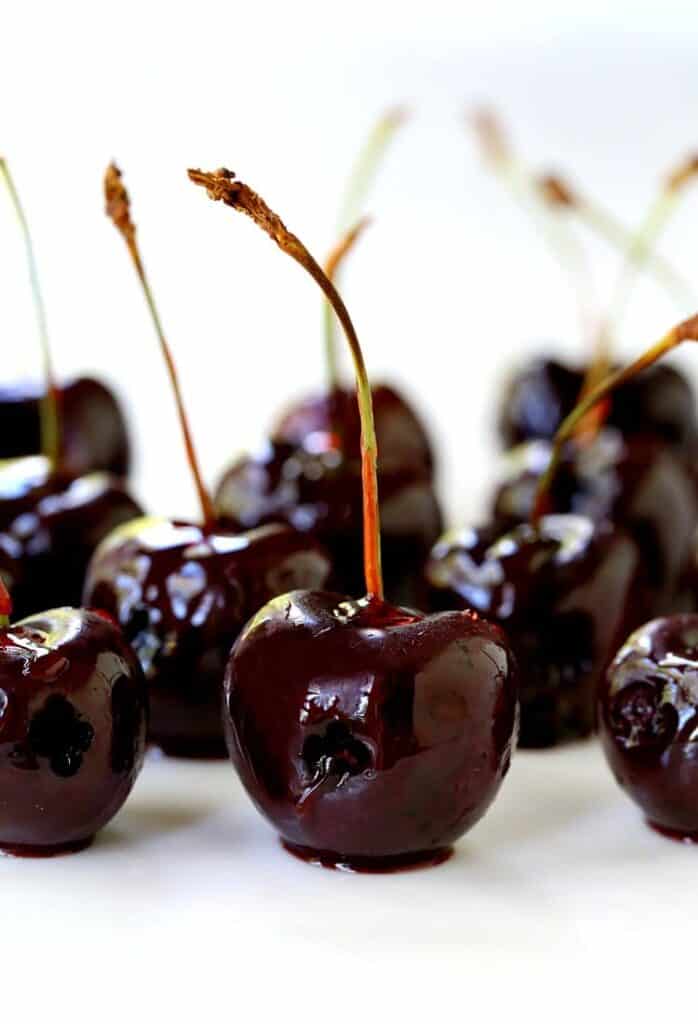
[(94, 435), (319, 492), (659, 401), (566, 593), (182, 594), (370, 736), (648, 722), (54, 522), (72, 729), (636, 482), (402, 437)]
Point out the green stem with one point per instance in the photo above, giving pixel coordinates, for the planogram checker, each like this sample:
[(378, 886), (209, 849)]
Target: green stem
[(360, 180), (50, 419)]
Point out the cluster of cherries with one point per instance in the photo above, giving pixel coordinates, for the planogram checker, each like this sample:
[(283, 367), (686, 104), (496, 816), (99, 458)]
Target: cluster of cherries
[(370, 733)]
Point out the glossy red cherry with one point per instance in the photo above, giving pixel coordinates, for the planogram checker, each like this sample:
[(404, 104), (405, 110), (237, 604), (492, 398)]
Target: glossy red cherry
[(369, 736), (54, 522), (648, 722), (182, 594), (331, 420), (94, 431), (319, 493), (72, 729), (659, 402), (565, 592), (636, 482)]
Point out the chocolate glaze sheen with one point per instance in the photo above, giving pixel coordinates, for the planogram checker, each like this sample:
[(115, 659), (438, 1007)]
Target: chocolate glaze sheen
[(94, 435), (182, 595), (72, 729), (320, 493), (636, 482), (53, 522), (402, 437), (371, 737), (564, 595), (659, 401), (648, 722)]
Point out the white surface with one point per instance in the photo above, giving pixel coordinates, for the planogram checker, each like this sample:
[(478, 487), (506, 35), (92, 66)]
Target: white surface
[(188, 897), (560, 904)]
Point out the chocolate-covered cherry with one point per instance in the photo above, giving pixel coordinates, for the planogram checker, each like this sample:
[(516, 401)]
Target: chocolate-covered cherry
[(331, 420), (660, 402), (72, 729), (94, 431), (54, 518), (319, 492), (648, 722), (636, 482), (371, 736), (563, 590), (54, 522), (182, 591)]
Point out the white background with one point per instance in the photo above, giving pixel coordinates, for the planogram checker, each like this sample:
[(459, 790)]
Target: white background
[(561, 900)]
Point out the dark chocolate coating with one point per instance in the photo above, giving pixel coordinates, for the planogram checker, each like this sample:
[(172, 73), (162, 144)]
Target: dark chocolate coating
[(564, 594), (53, 523), (660, 402), (637, 482), (402, 437), (648, 722), (368, 735), (320, 493), (182, 595), (94, 432), (73, 711)]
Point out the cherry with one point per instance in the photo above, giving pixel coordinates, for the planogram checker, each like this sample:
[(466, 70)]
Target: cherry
[(53, 518), (636, 482), (371, 736), (72, 728), (319, 492), (95, 435), (331, 420), (182, 591), (660, 402), (562, 590), (53, 522), (648, 717)]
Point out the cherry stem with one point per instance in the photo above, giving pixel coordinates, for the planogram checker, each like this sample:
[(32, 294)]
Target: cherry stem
[(637, 256), (118, 208), (5, 604), (224, 187), (644, 241), (50, 418), (562, 243), (557, 191), (361, 177), (332, 264), (687, 330), (364, 171)]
